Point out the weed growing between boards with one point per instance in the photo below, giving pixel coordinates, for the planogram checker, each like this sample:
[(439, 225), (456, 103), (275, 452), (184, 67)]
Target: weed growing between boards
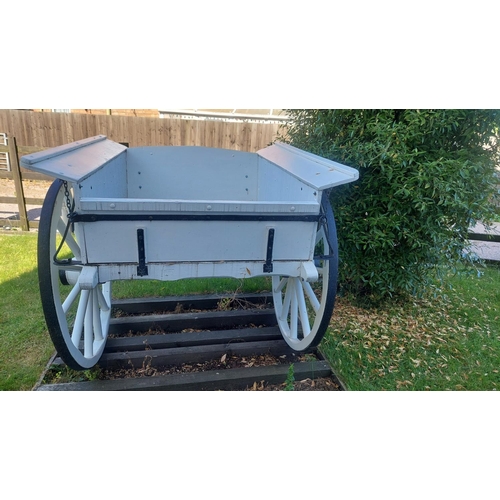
[(450, 341)]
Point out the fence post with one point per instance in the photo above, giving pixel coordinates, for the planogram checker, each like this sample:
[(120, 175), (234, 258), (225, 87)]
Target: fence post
[(18, 183)]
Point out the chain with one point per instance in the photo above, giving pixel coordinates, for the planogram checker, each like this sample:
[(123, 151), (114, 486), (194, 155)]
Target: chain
[(70, 206)]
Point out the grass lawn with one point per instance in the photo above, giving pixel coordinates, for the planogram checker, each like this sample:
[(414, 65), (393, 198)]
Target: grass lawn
[(447, 342), (25, 346), (451, 341)]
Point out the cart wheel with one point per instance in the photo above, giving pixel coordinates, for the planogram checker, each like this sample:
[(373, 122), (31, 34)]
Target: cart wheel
[(77, 320), (304, 309)]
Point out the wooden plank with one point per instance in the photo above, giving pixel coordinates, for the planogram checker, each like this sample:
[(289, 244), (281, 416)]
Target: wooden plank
[(28, 176), (17, 223), (197, 321), (18, 183), (227, 379), (28, 201), (170, 303), (170, 340), (22, 150), (176, 356), (9, 223)]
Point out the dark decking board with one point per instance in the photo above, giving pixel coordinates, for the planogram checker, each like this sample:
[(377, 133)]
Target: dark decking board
[(242, 333), (194, 320), (228, 379), (174, 356), (140, 305), (164, 341)]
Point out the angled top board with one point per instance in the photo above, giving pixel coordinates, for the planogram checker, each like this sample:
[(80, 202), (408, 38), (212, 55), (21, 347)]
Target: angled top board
[(75, 161), (315, 171)]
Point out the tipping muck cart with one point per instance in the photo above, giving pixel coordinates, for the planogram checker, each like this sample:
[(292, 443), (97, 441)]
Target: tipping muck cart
[(173, 212)]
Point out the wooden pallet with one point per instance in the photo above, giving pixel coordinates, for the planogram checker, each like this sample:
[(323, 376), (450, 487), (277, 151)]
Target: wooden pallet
[(151, 335)]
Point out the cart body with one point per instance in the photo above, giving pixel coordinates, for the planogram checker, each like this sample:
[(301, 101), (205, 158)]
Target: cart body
[(174, 212)]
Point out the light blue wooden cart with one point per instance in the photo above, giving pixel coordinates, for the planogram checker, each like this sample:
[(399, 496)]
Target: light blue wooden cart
[(173, 212)]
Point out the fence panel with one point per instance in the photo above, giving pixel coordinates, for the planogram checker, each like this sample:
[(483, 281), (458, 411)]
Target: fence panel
[(45, 130)]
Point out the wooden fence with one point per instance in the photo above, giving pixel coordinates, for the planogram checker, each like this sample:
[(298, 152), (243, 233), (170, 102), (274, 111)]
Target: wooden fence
[(35, 131), (46, 130)]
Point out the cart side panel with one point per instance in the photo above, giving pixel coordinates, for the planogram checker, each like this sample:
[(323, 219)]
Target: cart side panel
[(110, 181), (277, 184), (197, 241), (191, 173)]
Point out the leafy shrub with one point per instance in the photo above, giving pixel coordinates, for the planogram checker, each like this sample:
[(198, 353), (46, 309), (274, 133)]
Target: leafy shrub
[(425, 177)]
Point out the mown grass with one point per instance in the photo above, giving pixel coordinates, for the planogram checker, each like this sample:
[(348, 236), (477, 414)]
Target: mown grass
[(25, 347), (450, 341)]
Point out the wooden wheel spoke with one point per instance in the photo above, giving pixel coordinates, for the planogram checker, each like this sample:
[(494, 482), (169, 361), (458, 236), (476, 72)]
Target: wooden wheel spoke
[(103, 303), (80, 316), (70, 241), (304, 318), (311, 296), (286, 301), (319, 235), (88, 334), (281, 285), (293, 310), (97, 316), (71, 297)]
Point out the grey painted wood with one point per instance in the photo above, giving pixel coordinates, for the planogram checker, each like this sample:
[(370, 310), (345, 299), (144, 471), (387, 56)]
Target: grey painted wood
[(76, 161), (315, 171)]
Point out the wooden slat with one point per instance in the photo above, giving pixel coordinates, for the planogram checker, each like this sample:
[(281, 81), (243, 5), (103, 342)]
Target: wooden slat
[(175, 356), (227, 379), (28, 201), (202, 320), (28, 176), (187, 339), (141, 305)]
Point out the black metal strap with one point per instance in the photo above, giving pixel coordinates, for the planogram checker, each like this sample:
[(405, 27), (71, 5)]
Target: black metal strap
[(142, 269), (76, 217), (268, 266)]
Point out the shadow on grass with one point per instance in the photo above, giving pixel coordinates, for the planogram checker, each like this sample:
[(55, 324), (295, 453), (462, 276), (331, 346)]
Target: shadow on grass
[(25, 345)]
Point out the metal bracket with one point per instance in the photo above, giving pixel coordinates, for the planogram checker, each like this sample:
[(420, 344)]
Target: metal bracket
[(142, 269), (268, 266)]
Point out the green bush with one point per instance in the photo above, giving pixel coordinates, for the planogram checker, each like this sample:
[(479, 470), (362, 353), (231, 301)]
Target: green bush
[(425, 177)]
